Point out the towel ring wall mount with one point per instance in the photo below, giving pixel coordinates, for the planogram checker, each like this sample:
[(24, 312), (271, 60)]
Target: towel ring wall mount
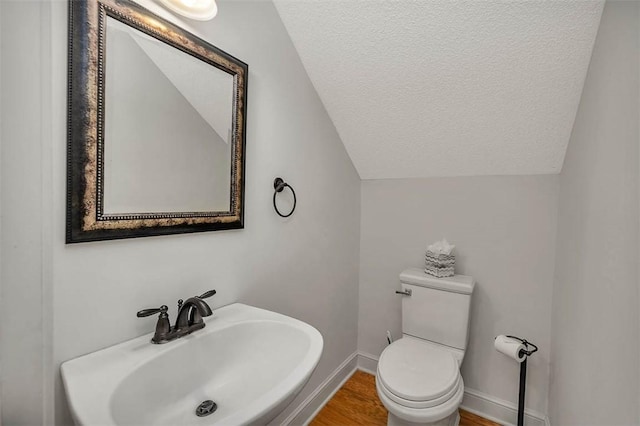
[(279, 185)]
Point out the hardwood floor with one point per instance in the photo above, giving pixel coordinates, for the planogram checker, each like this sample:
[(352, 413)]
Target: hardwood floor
[(357, 403)]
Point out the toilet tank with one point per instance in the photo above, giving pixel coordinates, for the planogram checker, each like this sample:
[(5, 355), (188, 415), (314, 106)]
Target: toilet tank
[(438, 308)]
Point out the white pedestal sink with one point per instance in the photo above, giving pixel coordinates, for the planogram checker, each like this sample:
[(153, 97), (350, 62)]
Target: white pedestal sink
[(249, 361)]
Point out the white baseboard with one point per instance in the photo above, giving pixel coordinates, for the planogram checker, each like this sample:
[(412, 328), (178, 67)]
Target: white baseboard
[(499, 410), (367, 362), (487, 406), (312, 405)]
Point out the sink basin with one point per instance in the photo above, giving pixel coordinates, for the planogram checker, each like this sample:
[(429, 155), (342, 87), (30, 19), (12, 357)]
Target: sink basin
[(249, 361)]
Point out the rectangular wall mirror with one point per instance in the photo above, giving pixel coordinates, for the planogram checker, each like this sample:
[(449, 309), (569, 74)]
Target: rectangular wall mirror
[(157, 121)]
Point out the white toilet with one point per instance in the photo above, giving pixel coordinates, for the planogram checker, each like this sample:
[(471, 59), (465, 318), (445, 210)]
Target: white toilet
[(418, 378)]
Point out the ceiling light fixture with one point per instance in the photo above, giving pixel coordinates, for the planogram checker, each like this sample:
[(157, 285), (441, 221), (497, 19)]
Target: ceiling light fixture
[(200, 10)]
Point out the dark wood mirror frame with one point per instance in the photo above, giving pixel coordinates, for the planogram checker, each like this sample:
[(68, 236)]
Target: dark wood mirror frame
[(86, 220)]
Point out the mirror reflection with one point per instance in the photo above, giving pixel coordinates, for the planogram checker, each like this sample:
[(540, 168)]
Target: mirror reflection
[(168, 130)]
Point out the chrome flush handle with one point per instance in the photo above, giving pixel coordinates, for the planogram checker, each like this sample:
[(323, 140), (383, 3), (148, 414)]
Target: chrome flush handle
[(406, 292)]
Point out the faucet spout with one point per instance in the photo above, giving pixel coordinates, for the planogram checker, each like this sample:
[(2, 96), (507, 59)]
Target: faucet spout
[(191, 313)]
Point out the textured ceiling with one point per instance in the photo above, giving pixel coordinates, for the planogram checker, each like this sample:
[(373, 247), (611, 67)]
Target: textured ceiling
[(435, 88)]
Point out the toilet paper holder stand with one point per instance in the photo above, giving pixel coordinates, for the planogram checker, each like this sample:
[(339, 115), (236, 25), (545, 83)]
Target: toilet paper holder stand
[(523, 375)]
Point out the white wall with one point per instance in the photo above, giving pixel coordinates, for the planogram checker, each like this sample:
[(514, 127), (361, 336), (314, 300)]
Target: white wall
[(1, 233), (305, 266), (595, 349), (1, 350), (504, 229), (25, 171)]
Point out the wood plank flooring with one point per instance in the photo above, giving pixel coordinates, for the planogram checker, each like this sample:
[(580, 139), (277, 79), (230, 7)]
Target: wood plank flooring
[(357, 403)]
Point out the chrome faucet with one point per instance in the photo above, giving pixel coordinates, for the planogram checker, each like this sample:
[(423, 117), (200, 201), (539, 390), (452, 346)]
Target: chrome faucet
[(189, 318)]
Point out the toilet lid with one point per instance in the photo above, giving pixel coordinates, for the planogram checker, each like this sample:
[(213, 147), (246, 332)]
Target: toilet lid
[(416, 371)]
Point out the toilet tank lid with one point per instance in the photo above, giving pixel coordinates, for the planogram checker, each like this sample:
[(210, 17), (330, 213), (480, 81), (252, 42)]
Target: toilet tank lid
[(457, 284)]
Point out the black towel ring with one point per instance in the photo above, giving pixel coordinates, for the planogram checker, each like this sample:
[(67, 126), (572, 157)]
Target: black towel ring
[(279, 185)]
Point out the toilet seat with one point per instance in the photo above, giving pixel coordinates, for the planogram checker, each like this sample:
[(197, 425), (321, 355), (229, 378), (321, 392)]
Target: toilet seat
[(416, 371), (418, 404), (422, 415), (419, 382)]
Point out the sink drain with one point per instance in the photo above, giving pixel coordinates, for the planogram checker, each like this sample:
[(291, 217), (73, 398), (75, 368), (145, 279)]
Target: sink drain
[(206, 407)]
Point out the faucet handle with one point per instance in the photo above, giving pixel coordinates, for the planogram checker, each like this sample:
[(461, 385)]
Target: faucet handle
[(163, 328), (147, 312), (207, 294)]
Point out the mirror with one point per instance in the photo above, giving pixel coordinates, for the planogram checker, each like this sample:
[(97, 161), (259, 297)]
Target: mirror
[(156, 127), (165, 110)]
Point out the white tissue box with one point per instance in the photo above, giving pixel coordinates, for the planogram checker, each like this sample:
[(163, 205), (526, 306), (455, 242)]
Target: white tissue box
[(439, 265)]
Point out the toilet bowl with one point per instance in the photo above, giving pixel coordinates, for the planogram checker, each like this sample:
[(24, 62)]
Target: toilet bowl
[(419, 384), (418, 376)]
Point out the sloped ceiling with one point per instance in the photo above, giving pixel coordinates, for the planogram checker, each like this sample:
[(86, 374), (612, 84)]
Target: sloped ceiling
[(443, 88)]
